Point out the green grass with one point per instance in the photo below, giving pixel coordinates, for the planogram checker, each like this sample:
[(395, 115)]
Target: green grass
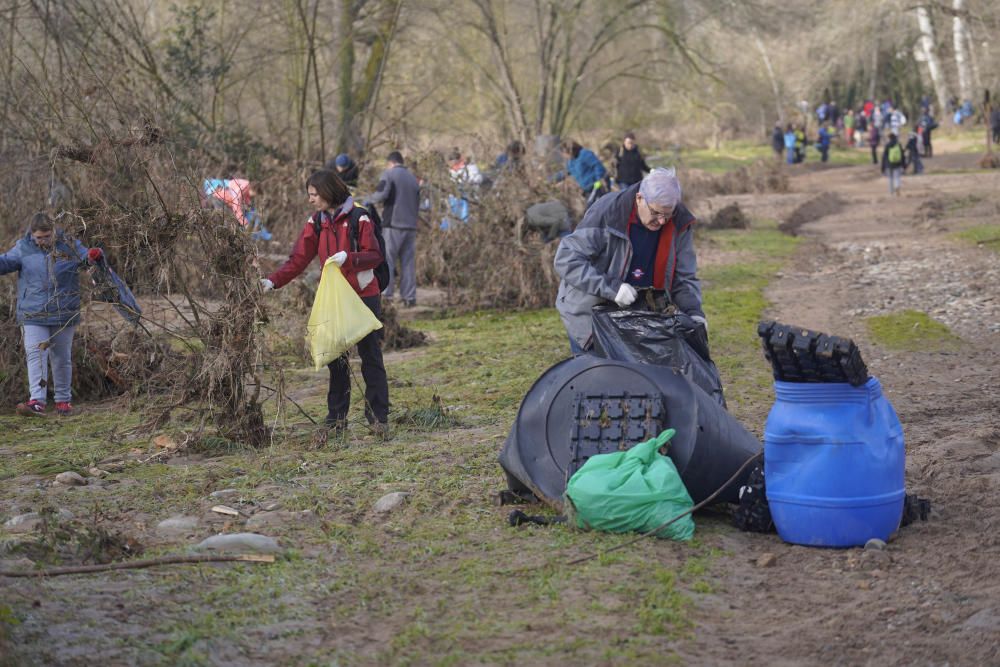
[(742, 153), (910, 330), (734, 301), (441, 580), (987, 236)]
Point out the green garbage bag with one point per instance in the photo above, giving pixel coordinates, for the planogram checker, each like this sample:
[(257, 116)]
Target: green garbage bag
[(639, 490)]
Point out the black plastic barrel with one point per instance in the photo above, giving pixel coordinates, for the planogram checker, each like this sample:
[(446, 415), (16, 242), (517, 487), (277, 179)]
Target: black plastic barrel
[(588, 405)]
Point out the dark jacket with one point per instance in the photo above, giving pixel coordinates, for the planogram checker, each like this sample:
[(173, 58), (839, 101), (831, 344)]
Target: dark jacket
[(777, 140), (593, 260), (48, 280), (349, 176), (333, 237), (885, 156), (630, 165), (399, 192)]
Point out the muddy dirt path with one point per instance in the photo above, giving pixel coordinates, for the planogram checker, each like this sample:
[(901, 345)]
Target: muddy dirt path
[(933, 597)]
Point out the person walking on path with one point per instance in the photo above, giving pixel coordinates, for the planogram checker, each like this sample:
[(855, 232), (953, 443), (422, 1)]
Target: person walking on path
[(995, 124), (48, 263), (630, 165), (874, 138), (327, 235), (399, 193), (638, 238), (790, 141), (893, 163), (777, 142), (912, 154), (927, 126), (823, 142), (849, 123)]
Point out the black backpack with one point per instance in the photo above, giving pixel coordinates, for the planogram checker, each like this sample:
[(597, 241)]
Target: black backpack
[(382, 270)]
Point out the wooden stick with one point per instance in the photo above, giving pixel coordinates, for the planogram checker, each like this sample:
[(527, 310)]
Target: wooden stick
[(137, 564)]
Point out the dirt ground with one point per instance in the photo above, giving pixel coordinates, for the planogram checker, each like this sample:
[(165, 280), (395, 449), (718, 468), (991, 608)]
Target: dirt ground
[(933, 596)]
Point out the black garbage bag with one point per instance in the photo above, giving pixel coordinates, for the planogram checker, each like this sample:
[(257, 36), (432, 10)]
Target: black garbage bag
[(587, 405), (645, 336)]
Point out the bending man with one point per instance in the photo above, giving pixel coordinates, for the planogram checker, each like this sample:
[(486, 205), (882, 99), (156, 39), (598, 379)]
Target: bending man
[(638, 238)]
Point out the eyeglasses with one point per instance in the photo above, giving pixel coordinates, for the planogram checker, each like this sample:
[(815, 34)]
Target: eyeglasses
[(662, 216)]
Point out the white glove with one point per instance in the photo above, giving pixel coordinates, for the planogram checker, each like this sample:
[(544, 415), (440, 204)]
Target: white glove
[(337, 258), (626, 295), (365, 278), (702, 321), (266, 285)]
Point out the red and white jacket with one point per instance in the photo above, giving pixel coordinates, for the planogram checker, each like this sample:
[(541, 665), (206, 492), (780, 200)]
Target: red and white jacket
[(334, 236)]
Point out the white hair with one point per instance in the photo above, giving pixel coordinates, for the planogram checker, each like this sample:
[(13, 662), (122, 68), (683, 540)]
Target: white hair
[(661, 187)]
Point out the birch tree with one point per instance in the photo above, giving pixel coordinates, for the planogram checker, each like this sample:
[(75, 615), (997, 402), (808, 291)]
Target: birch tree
[(929, 49), (960, 40)]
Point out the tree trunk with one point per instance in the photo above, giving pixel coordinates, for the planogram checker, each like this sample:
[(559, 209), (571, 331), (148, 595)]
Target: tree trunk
[(345, 99), (930, 56), (960, 40), (775, 88)]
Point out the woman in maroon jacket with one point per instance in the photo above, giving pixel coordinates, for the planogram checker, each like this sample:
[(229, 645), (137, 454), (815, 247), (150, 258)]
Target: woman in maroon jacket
[(335, 213)]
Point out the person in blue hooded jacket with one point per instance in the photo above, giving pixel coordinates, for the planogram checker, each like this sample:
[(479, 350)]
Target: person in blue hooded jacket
[(48, 308), (586, 169)]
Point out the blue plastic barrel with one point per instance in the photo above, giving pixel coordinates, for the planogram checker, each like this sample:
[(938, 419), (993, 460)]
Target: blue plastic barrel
[(833, 463)]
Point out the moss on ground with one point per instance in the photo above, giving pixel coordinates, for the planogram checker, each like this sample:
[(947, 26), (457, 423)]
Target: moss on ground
[(986, 236), (911, 330)]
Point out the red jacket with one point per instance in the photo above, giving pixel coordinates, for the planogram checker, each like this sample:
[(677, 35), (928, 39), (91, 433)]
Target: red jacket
[(334, 237)]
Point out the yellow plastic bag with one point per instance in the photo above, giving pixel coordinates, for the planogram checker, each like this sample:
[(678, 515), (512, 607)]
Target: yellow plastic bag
[(339, 318)]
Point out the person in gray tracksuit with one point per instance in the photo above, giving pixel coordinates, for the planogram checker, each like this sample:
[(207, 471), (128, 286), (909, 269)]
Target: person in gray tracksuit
[(638, 238), (399, 193)]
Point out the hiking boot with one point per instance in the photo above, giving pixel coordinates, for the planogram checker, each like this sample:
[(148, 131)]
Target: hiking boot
[(31, 408), (64, 409), (380, 430), (333, 433), (410, 304)]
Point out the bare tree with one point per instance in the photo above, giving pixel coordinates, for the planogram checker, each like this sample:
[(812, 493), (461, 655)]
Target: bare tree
[(929, 49)]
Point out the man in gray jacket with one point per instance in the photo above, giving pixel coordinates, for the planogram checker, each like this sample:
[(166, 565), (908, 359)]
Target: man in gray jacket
[(399, 193), (638, 238)]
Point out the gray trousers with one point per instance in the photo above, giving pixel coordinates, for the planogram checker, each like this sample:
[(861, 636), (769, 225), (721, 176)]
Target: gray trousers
[(895, 179), (45, 345), (401, 244)]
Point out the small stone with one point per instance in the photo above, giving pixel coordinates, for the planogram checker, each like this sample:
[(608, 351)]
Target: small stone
[(16, 564), (224, 494), (226, 510), (23, 523), (270, 507), (875, 544), (767, 560), (239, 543), (865, 585), (177, 525), (31, 521), (70, 478), (98, 473), (390, 501)]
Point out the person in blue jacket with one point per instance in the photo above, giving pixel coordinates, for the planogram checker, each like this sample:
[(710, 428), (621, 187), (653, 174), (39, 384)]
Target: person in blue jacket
[(823, 143), (586, 169), (790, 144), (48, 308)]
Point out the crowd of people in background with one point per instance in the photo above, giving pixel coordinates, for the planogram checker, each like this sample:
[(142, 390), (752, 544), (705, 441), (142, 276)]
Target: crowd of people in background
[(896, 143)]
